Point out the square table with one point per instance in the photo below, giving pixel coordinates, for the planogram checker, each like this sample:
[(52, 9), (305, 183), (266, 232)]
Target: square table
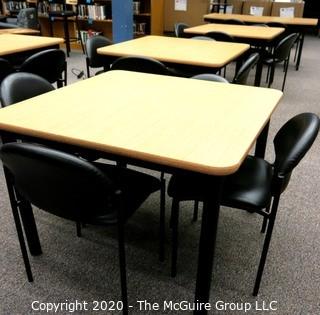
[(19, 30), (16, 47), (295, 24), (198, 56), (169, 123), (262, 37)]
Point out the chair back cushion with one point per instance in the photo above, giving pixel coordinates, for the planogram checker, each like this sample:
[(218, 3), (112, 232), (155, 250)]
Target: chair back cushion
[(283, 48), (293, 141), (241, 76), (92, 44), (48, 64), (179, 29), (20, 86), (57, 182), (140, 64), (5, 69), (27, 18), (210, 77), (220, 36)]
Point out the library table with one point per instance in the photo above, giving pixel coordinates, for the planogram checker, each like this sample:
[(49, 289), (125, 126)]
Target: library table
[(173, 128), (16, 47), (19, 30), (296, 24), (258, 36), (192, 56)]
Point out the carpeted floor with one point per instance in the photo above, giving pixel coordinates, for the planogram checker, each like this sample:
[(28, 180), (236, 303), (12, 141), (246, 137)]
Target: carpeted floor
[(86, 269)]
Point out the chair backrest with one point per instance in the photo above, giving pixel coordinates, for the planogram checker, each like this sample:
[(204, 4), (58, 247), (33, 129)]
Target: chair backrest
[(140, 64), (92, 44), (283, 48), (220, 36), (20, 86), (233, 21), (57, 182), (200, 37), (28, 18), (49, 64), (276, 24), (241, 76), (210, 77), (293, 141), (179, 29), (5, 68)]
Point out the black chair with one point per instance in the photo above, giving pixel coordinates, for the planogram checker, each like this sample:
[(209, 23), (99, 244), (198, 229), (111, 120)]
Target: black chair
[(276, 24), (201, 37), (220, 36), (281, 53), (93, 59), (242, 74), (20, 86), (140, 64), (26, 18), (5, 68), (62, 10), (210, 77), (71, 188), (233, 21), (256, 186), (179, 29), (285, 33), (50, 64)]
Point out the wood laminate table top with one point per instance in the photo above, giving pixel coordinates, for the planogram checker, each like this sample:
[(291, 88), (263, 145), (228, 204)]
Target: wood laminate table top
[(241, 31), (14, 43), (263, 19), (191, 124), (178, 50), (19, 30)]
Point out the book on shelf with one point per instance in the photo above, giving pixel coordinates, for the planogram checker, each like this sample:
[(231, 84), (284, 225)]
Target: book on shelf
[(85, 34), (94, 12), (15, 5)]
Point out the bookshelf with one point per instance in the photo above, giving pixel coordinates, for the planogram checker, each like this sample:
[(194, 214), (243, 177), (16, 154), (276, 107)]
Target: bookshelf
[(95, 17), (12, 8), (148, 17)]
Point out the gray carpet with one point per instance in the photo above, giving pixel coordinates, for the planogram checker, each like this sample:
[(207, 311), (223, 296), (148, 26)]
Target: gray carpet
[(86, 269)]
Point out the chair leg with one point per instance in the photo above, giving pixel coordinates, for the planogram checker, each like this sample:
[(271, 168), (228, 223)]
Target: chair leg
[(88, 68), (66, 35), (51, 26), (79, 35), (65, 74), (266, 245), (271, 75), (195, 211), (162, 217), (265, 221), (285, 74), (175, 226), (268, 73), (123, 272), (19, 230)]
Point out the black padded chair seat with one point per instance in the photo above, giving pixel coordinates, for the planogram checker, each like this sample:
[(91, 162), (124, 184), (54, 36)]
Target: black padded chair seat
[(246, 187), (270, 60), (135, 186), (250, 186)]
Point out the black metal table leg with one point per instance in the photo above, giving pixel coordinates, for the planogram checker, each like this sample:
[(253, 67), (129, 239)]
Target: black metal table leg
[(262, 141), (210, 216), (300, 51), (257, 79)]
